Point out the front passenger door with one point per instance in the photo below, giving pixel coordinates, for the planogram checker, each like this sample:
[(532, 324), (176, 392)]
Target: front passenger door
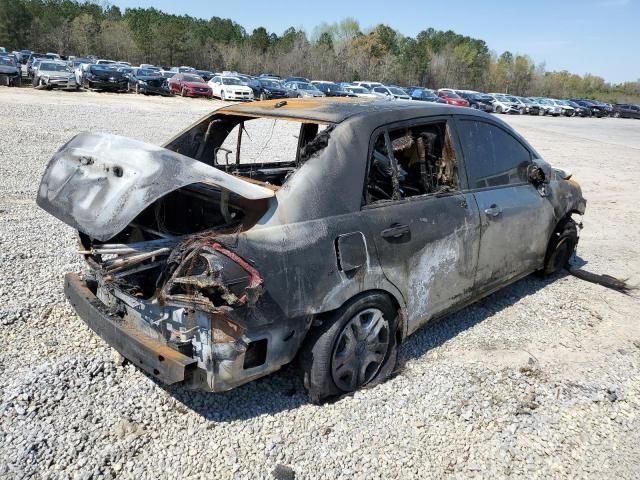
[(516, 220)]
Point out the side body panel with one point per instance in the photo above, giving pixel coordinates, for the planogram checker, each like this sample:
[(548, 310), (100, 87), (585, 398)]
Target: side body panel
[(433, 264)]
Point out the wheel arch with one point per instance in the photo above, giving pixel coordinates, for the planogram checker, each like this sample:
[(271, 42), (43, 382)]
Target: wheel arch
[(386, 289)]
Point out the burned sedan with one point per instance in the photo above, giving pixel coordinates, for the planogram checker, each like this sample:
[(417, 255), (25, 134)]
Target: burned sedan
[(216, 259)]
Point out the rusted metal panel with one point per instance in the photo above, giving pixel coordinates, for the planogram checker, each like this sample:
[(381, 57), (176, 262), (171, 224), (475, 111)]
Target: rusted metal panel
[(153, 357)]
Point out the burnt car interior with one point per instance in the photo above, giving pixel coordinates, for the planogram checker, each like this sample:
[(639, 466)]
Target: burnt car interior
[(422, 162), (140, 259)]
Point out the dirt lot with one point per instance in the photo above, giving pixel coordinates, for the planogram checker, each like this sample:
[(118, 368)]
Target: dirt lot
[(538, 380)]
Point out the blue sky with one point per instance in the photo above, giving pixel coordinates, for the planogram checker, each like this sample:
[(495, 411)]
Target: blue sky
[(583, 36)]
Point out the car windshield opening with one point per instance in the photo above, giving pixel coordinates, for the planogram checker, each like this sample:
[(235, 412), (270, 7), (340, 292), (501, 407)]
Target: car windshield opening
[(54, 67), (193, 78), (231, 81)]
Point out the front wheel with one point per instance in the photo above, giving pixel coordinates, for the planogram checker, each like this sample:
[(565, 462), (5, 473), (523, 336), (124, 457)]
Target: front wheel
[(354, 346), (263, 96), (561, 246), (222, 96), (183, 92)]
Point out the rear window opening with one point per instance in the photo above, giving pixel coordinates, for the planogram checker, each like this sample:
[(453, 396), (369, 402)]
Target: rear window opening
[(268, 150), (264, 150)]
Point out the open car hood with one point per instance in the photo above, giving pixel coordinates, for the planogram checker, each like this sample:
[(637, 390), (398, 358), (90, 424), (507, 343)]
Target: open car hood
[(98, 183)]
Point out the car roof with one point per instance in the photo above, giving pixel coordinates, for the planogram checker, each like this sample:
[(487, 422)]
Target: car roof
[(338, 109)]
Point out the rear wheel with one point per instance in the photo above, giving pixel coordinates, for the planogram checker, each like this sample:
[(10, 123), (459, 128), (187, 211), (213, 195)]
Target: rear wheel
[(473, 105), (183, 92), (561, 246), (354, 346)]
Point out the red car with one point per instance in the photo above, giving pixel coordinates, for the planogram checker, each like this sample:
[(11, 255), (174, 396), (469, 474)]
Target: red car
[(452, 98), (190, 85)]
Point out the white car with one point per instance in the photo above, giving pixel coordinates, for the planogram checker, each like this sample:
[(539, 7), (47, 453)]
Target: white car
[(549, 106), (567, 110), (359, 91), (230, 88), (368, 85), (500, 105), (390, 92)]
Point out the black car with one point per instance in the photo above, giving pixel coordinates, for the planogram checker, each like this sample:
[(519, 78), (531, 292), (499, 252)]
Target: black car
[(143, 80), (267, 88), (9, 71), (580, 110), (24, 56), (205, 74), (478, 101), (332, 89), (423, 94), (595, 109), (105, 77), (625, 110)]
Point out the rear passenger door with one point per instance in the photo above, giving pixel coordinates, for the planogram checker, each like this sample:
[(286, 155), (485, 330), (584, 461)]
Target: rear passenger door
[(516, 219), (424, 227)]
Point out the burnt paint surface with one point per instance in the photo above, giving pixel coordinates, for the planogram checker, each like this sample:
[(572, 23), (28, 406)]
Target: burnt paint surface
[(444, 263)]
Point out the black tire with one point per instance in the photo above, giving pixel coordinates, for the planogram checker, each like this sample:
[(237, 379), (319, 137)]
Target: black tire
[(561, 246), (262, 96), (183, 92), (321, 346), (473, 105)]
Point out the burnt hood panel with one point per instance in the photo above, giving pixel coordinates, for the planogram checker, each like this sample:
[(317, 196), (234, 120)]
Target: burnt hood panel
[(98, 183)]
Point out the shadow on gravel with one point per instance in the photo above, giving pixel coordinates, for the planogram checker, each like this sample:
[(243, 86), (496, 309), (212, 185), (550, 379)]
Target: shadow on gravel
[(283, 390), (280, 391)]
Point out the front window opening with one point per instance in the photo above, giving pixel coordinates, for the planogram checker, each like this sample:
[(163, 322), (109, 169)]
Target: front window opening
[(412, 161)]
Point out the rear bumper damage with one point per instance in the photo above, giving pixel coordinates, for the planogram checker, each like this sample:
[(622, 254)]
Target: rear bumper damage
[(180, 343), (155, 358)]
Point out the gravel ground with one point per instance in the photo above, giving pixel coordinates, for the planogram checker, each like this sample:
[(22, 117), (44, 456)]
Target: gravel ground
[(538, 380)]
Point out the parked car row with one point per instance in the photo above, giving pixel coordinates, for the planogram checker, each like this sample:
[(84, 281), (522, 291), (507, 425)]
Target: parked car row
[(50, 70)]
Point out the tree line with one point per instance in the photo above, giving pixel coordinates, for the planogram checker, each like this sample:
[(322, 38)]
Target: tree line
[(341, 51)]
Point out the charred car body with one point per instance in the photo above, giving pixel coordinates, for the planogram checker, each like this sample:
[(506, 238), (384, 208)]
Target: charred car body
[(211, 271)]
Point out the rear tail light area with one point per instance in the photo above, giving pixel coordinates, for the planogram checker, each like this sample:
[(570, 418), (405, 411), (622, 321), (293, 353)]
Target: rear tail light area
[(213, 276)]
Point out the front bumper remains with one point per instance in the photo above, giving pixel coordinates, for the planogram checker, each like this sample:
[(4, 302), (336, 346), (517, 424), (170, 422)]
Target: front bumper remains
[(152, 356)]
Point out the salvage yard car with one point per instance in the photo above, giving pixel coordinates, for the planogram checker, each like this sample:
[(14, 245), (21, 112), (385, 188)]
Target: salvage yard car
[(54, 74), (189, 85), (216, 259), (105, 76), (148, 81), (10, 74)]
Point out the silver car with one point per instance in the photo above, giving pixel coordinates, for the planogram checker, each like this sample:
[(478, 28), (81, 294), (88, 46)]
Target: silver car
[(54, 74)]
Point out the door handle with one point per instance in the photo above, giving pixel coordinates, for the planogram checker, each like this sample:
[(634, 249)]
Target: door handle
[(395, 231), (493, 211)]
